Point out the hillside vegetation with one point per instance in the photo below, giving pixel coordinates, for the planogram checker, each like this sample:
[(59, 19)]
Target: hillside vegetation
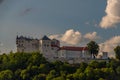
[(33, 66)]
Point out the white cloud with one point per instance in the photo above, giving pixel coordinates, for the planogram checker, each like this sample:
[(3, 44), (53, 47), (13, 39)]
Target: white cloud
[(109, 45), (112, 14), (74, 37), (56, 36), (71, 37), (91, 36)]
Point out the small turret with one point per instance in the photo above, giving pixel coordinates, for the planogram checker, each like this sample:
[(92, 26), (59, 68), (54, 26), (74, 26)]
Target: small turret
[(45, 38)]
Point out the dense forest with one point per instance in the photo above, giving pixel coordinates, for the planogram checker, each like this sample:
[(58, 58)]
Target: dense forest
[(33, 66)]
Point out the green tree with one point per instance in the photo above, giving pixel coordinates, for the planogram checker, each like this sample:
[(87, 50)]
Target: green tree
[(39, 77), (117, 52), (6, 75), (101, 79), (94, 64), (17, 74), (36, 59), (44, 68), (59, 78), (98, 73), (118, 72), (51, 75), (69, 77), (89, 71), (109, 73), (25, 75), (93, 48)]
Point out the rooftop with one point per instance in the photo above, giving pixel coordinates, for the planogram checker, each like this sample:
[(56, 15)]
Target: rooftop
[(45, 38), (71, 48)]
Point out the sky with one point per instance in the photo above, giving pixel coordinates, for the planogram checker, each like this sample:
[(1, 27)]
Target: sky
[(73, 22)]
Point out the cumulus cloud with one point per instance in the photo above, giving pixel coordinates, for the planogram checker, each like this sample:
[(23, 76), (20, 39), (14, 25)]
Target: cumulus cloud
[(74, 37), (71, 37), (56, 36), (91, 36), (112, 16), (109, 45)]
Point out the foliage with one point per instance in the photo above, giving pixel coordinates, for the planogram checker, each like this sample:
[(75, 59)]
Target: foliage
[(33, 66), (93, 48), (6, 75), (117, 52)]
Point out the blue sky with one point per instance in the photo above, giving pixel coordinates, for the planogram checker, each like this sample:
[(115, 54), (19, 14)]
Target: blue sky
[(49, 17)]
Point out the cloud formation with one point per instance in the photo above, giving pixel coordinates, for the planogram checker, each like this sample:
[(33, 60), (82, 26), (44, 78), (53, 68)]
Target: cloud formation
[(71, 37), (74, 37), (112, 16), (91, 36), (109, 45)]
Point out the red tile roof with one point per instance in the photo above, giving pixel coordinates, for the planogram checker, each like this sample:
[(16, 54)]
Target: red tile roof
[(55, 46), (73, 48)]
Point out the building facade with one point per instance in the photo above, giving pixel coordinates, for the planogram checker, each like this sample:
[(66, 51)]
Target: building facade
[(51, 50), (25, 44), (70, 52)]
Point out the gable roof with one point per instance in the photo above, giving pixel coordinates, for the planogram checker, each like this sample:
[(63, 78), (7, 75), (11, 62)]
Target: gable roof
[(71, 48), (45, 38)]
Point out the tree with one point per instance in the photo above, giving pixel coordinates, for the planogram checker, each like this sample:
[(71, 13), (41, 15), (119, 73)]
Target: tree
[(118, 70), (51, 75), (82, 68), (59, 78), (109, 73), (94, 64), (6, 75), (117, 52), (39, 77), (89, 71), (25, 74), (17, 74), (93, 48), (36, 59)]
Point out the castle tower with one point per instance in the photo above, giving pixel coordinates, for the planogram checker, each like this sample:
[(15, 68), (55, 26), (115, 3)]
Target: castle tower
[(55, 46), (25, 44), (49, 48), (45, 47)]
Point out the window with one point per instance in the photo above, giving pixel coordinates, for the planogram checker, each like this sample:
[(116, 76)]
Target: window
[(52, 48), (47, 45)]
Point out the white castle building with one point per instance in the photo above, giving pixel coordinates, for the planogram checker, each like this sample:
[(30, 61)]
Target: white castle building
[(51, 50)]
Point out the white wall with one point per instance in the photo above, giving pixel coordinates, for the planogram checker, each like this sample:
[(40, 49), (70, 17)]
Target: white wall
[(27, 46), (74, 54)]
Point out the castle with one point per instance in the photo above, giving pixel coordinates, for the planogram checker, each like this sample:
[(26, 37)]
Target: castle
[(51, 49)]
